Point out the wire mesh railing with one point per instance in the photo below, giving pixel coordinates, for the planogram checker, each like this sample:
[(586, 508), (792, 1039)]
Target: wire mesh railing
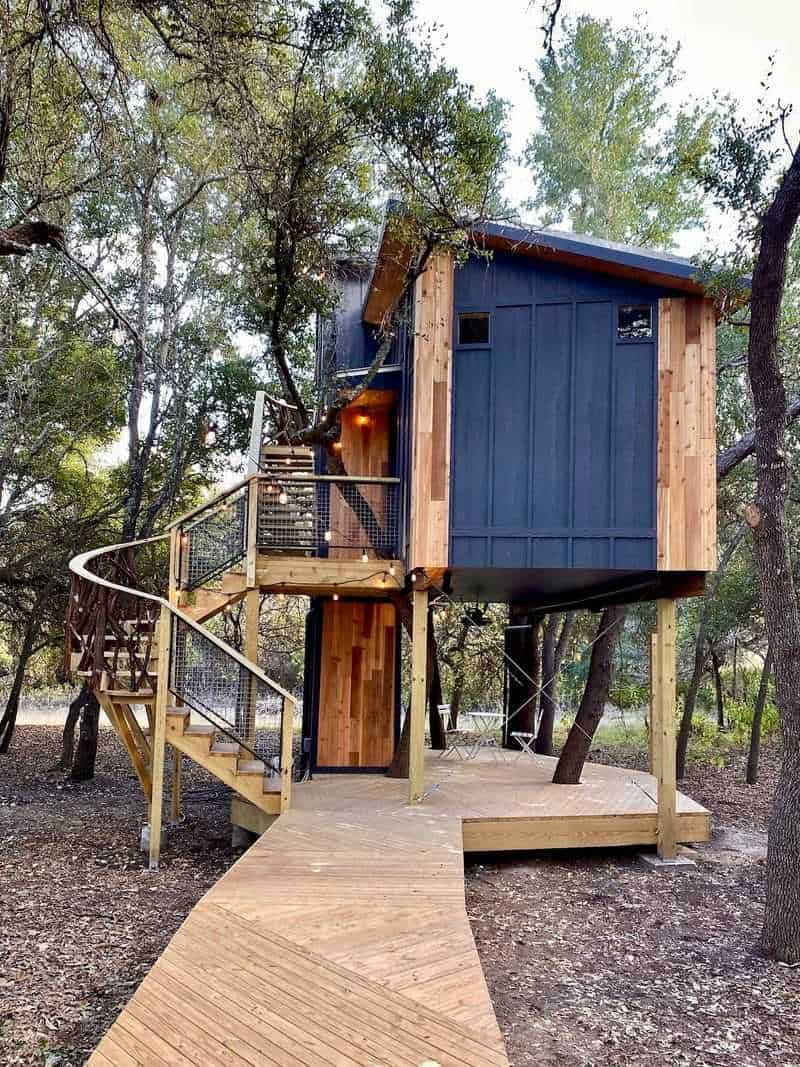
[(322, 515), (240, 705), (214, 541)]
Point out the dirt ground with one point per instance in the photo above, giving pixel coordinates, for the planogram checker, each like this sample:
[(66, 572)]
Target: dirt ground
[(591, 958)]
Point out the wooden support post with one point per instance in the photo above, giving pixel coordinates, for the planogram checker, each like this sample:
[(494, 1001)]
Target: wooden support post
[(175, 796), (419, 695), (159, 734), (256, 433), (252, 531), (664, 728), (652, 750), (287, 746), (174, 564), (252, 609)]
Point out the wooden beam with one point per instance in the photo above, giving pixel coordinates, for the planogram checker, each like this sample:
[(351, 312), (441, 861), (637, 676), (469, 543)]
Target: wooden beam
[(664, 728), (159, 736), (253, 495), (320, 577), (686, 532), (431, 414), (419, 696), (287, 748), (175, 794), (256, 433)]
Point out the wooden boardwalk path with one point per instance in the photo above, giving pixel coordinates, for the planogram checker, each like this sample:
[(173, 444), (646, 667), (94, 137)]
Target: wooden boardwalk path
[(338, 938), (341, 936)]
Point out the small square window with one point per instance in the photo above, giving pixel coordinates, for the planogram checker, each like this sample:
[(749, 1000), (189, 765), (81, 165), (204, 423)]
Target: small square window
[(473, 328), (635, 322)]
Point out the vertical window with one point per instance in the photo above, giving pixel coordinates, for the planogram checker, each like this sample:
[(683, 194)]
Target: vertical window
[(634, 322), (473, 328)]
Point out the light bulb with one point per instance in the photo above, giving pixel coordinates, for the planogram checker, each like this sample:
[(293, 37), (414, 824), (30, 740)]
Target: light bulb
[(118, 335), (413, 577), (363, 420), (211, 437), (282, 499), (337, 446), (364, 557), (335, 596), (327, 535), (391, 570)]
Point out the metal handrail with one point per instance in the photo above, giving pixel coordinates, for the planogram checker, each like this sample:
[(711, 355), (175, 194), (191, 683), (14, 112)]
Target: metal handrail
[(209, 503), (78, 567)]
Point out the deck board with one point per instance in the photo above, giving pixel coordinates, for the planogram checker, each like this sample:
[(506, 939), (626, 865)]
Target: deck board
[(341, 937)]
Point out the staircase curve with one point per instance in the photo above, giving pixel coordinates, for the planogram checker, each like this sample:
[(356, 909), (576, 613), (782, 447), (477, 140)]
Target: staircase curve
[(134, 647)]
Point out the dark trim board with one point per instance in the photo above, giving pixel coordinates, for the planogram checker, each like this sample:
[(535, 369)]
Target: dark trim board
[(566, 588)]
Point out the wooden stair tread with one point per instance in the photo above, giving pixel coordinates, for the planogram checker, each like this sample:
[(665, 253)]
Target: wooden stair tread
[(251, 766), (225, 748), (199, 730)]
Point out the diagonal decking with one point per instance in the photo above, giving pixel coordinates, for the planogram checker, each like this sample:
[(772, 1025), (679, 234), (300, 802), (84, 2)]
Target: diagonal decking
[(341, 937)]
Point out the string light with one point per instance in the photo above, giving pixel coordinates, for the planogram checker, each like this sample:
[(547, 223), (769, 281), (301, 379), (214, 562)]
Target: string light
[(391, 570), (327, 535), (413, 577), (283, 498), (364, 557), (363, 420), (118, 334), (335, 596), (337, 446)]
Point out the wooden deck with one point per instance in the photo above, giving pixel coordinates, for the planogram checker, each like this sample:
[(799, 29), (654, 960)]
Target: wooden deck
[(341, 937)]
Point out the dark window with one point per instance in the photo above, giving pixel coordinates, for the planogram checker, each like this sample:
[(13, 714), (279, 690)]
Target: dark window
[(635, 322), (473, 328)]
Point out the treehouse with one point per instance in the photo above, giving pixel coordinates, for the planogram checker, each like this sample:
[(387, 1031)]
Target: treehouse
[(541, 433)]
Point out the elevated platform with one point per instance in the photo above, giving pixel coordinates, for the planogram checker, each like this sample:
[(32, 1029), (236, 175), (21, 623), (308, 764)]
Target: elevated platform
[(341, 936), (297, 576), (507, 802)]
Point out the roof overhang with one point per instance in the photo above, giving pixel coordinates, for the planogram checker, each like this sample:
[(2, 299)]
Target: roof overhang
[(643, 265)]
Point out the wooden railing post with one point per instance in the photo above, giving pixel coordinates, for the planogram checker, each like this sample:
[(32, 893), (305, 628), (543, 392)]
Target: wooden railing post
[(287, 750), (252, 530), (419, 693), (663, 727), (159, 735), (252, 608)]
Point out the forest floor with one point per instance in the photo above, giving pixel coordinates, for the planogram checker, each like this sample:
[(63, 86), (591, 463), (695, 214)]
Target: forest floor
[(591, 958)]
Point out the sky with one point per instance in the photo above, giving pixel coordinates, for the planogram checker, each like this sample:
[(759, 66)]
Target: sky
[(725, 46)]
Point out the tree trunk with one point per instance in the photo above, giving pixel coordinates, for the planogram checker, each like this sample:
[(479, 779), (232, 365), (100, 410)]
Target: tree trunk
[(458, 675), (523, 666), (734, 671), (436, 727), (758, 712), (68, 734), (715, 666), (547, 705), (595, 694), (690, 700), (9, 720), (700, 656), (86, 752), (780, 938)]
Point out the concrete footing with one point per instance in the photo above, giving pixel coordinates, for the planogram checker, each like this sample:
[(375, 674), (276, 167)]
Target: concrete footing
[(652, 859)]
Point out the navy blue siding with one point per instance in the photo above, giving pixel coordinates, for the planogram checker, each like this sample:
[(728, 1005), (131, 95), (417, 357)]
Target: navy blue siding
[(554, 422)]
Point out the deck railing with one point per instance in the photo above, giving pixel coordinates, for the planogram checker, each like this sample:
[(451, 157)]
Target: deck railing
[(325, 515)]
